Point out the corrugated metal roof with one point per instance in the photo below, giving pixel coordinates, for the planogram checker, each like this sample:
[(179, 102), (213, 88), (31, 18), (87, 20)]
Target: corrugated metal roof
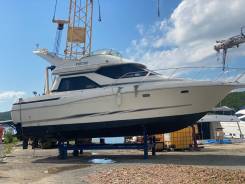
[(218, 118)]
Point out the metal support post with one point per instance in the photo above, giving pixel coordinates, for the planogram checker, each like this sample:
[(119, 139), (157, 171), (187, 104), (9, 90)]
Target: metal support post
[(76, 151), (34, 143), (25, 143), (62, 150), (145, 145), (153, 148), (194, 137)]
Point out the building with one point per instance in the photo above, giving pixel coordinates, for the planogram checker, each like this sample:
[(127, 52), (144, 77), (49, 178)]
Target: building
[(222, 120)]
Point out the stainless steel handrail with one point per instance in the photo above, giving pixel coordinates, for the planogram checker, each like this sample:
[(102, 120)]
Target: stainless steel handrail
[(173, 75)]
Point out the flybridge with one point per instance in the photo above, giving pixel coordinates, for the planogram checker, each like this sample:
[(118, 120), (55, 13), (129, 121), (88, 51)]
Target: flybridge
[(85, 64)]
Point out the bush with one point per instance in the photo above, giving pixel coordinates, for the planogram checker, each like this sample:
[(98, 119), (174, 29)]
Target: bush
[(8, 137)]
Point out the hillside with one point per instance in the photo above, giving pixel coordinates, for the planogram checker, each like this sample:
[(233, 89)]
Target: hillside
[(5, 116), (234, 100)]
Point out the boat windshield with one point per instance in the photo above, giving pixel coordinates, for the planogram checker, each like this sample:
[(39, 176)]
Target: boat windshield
[(128, 70), (239, 115), (107, 52)]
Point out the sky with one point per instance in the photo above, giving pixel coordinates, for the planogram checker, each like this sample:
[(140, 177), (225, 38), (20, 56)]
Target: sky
[(183, 35)]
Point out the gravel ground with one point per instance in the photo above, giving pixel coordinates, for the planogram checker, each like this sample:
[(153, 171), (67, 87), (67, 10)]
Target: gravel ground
[(214, 164), (165, 174)]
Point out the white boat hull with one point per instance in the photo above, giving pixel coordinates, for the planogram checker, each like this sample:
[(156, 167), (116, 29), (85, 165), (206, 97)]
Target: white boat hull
[(113, 111)]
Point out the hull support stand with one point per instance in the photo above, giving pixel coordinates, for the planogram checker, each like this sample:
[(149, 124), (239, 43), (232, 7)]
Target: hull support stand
[(62, 150), (145, 144), (76, 150), (64, 147)]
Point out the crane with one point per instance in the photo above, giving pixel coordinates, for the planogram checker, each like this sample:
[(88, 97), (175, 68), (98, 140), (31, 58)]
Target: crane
[(79, 31), (224, 45)]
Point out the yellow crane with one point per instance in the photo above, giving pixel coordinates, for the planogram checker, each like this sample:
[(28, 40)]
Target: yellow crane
[(79, 30)]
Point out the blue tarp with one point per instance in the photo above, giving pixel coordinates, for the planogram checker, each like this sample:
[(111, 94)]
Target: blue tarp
[(213, 141)]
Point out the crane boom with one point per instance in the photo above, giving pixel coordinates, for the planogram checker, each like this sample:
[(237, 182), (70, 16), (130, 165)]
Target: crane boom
[(224, 45)]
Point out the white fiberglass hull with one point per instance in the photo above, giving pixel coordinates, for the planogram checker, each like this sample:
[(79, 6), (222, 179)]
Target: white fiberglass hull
[(111, 108)]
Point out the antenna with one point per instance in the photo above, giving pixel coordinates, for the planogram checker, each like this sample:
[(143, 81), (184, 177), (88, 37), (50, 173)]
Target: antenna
[(224, 45)]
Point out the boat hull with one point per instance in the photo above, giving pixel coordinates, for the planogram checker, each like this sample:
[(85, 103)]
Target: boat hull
[(157, 108), (113, 128)]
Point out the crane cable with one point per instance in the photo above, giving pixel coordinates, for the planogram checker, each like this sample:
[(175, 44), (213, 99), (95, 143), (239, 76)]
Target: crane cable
[(99, 19), (158, 8), (55, 7)]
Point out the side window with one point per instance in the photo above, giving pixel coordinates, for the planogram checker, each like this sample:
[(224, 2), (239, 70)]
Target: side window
[(76, 83), (122, 71), (239, 115)]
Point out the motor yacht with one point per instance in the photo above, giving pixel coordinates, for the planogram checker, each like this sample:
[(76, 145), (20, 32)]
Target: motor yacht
[(106, 95), (241, 114)]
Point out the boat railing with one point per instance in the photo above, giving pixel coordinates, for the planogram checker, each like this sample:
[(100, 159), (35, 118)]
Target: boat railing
[(213, 73), (203, 73)]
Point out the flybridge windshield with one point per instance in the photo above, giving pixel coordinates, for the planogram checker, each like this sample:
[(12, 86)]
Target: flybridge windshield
[(107, 52), (123, 71)]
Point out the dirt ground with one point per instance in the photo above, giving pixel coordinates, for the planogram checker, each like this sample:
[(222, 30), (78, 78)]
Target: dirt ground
[(213, 164)]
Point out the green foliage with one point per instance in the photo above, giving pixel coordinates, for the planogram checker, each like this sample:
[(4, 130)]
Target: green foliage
[(9, 147), (234, 100), (9, 138), (5, 116), (9, 142)]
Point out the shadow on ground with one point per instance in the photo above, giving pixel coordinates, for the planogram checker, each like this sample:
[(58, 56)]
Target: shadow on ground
[(198, 160)]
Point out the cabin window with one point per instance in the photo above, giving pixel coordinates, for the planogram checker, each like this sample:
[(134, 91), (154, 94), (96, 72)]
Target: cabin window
[(123, 71), (76, 83), (242, 119), (239, 115)]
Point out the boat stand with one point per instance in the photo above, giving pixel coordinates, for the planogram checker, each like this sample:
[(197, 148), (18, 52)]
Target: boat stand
[(147, 144)]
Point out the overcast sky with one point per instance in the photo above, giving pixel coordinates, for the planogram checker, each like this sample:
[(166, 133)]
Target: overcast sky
[(184, 35)]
